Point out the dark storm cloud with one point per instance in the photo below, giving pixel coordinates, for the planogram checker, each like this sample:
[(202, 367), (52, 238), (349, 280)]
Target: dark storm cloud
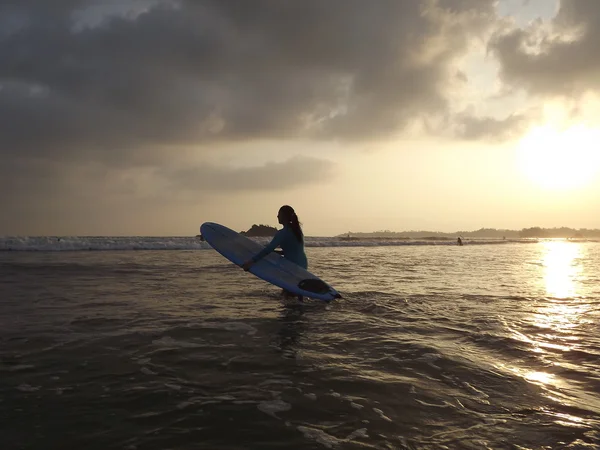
[(566, 62), (194, 71), (124, 84)]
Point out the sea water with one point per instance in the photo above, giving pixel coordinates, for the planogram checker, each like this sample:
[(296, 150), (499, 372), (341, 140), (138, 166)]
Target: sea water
[(432, 347)]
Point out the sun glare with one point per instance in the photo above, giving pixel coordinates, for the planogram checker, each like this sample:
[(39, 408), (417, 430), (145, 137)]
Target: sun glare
[(560, 160), (561, 270)]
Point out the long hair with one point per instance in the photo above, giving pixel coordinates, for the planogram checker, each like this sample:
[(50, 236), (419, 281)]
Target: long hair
[(290, 218)]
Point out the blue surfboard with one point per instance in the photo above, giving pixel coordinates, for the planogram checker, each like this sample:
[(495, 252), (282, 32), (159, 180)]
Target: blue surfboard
[(273, 268)]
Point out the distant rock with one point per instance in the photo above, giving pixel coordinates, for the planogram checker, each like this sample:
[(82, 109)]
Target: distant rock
[(260, 231)]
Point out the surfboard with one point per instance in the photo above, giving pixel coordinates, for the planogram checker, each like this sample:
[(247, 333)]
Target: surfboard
[(273, 268)]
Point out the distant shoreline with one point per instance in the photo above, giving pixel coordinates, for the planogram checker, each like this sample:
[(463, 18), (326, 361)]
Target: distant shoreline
[(436, 238), (482, 233)]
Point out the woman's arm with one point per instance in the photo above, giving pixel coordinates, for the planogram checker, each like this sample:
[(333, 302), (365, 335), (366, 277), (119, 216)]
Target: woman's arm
[(275, 242)]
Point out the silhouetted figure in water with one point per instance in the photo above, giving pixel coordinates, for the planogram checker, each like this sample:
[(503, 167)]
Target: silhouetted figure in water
[(459, 241), (291, 240)]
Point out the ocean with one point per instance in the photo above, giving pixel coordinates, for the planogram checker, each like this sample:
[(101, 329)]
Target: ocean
[(161, 343)]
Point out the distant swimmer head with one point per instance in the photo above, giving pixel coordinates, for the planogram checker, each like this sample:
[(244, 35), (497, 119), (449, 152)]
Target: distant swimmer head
[(287, 216)]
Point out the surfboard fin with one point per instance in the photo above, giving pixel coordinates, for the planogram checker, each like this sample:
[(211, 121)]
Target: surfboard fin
[(314, 285)]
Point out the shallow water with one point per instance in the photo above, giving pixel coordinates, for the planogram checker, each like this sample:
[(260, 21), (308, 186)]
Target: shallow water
[(487, 346)]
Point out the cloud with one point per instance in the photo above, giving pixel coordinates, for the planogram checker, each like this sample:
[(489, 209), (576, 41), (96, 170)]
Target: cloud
[(560, 58), (54, 183), (197, 71), (288, 174), (123, 85)]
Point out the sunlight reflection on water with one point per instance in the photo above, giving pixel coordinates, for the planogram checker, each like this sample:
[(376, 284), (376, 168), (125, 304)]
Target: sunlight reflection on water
[(554, 324), (544, 379), (540, 377), (561, 269), (565, 311)]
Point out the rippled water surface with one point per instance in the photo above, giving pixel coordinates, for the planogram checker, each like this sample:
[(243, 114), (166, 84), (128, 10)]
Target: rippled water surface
[(488, 346)]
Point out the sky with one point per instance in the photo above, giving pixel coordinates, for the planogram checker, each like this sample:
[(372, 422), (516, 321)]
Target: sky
[(150, 117)]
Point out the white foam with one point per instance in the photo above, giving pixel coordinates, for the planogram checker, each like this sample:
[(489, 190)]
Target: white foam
[(206, 400), (275, 381), (121, 243), (474, 390), (311, 396), (28, 388), (381, 414), (167, 341), (147, 414), (87, 243), (19, 367), (210, 402), (273, 407), (428, 357), (433, 405), (320, 436), (183, 405), (361, 432), (356, 405), (231, 326)]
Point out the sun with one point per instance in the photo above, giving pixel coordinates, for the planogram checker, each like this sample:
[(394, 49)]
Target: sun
[(560, 160)]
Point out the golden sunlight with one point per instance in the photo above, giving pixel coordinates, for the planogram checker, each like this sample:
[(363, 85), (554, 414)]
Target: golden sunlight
[(561, 269), (539, 378), (566, 309), (560, 160)]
